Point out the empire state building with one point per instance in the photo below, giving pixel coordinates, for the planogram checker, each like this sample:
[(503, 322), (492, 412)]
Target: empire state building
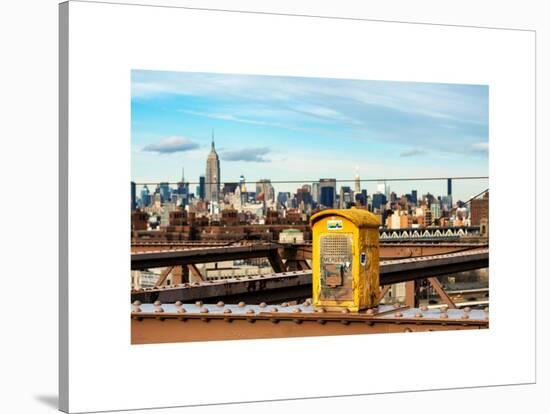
[(212, 185)]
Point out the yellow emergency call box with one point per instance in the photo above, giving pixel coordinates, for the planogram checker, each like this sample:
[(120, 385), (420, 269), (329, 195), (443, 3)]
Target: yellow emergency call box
[(345, 260)]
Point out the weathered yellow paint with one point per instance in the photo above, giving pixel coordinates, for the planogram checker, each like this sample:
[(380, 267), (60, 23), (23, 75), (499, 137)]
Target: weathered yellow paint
[(362, 226)]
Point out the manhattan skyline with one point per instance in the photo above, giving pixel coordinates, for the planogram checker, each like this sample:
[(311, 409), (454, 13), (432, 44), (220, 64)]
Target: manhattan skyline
[(285, 128)]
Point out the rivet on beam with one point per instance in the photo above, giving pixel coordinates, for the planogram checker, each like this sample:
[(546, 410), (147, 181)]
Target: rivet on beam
[(424, 308), (220, 304), (241, 304), (263, 305), (198, 303)]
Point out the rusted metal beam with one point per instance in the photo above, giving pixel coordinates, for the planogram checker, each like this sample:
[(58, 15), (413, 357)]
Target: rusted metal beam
[(286, 283), (163, 276), (303, 265), (194, 273), (152, 259), (395, 271), (276, 262), (197, 322), (441, 292), (383, 291), (411, 293)]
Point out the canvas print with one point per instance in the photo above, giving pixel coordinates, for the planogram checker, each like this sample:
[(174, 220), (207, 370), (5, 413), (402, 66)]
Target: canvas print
[(276, 206)]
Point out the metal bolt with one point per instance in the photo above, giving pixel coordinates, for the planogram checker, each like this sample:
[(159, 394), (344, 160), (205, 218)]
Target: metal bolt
[(227, 310), (418, 315), (198, 303), (263, 305), (444, 315), (320, 310), (297, 310), (241, 304), (424, 308), (181, 310), (370, 312), (204, 310), (486, 310), (274, 310), (157, 303), (398, 315), (137, 303), (284, 304), (465, 316), (396, 305), (443, 309), (220, 304), (467, 309), (345, 310), (178, 303), (250, 312)]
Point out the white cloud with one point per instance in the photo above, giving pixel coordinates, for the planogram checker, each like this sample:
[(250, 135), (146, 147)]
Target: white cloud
[(171, 145)]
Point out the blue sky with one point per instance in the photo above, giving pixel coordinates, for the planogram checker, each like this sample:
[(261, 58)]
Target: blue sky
[(290, 128)]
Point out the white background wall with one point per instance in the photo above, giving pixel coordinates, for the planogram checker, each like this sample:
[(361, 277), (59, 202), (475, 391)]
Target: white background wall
[(28, 125)]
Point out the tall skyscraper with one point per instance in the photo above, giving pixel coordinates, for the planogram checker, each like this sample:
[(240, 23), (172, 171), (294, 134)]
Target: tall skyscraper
[(213, 175), (145, 197), (382, 188), (315, 192), (183, 190), (357, 188), (449, 187), (202, 187), (133, 195), (327, 192), (379, 201), (164, 190), (346, 197), (242, 183), (265, 187)]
